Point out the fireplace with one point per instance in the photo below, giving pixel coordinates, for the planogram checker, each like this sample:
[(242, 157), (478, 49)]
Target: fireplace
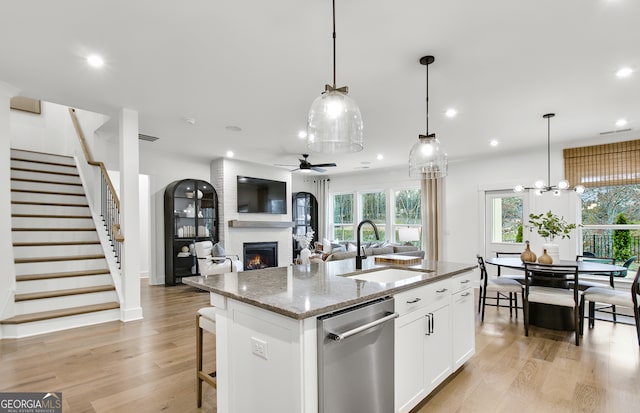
[(258, 255)]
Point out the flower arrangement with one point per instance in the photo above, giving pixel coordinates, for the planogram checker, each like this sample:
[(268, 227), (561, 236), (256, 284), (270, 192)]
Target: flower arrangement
[(304, 240), (550, 226)]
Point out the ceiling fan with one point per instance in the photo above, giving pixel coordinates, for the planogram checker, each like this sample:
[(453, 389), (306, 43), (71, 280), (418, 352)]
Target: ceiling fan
[(306, 166)]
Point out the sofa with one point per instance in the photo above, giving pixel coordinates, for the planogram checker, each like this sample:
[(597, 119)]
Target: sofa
[(349, 250)]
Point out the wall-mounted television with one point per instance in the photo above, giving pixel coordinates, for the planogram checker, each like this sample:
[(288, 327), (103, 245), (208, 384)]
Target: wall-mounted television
[(256, 195)]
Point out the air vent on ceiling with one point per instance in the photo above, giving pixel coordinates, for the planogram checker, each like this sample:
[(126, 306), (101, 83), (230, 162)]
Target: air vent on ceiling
[(147, 138), (615, 131)]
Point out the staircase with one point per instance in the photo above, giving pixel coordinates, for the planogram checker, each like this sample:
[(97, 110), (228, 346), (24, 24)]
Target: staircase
[(62, 276)]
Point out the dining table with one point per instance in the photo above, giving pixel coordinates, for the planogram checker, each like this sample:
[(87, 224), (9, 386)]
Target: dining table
[(550, 316)]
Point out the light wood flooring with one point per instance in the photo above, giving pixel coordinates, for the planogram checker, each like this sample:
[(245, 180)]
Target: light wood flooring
[(149, 365)]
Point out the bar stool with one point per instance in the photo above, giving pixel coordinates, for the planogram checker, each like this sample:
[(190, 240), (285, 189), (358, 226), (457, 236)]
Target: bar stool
[(205, 320)]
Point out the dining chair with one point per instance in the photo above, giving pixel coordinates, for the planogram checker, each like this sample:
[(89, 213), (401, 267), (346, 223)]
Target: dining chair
[(512, 273), (205, 321), (552, 295), (620, 297), (506, 287)]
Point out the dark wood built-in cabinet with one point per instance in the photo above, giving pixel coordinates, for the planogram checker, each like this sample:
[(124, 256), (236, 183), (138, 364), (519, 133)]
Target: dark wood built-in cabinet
[(304, 213), (190, 215)]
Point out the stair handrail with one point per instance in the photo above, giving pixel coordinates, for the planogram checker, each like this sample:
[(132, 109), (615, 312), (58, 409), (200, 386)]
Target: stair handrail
[(109, 198)]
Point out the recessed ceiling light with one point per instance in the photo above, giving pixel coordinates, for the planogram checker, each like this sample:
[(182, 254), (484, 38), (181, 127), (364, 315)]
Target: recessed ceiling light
[(494, 142), (451, 113), (95, 60), (230, 154), (380, 157), (624, 72), (302, 134), (190, 121), (621, 122), (233, 128)]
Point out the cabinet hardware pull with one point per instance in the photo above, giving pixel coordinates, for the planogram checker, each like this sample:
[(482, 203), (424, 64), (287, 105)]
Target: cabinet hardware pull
[(433, 322), (441, 291), (428, 317), (466, 294), (415, 300), (465, 281)]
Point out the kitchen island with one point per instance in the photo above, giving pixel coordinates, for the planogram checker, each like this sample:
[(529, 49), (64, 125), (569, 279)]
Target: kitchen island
[(266, 323)]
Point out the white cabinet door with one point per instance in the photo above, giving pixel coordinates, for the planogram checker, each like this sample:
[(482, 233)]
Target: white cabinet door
[(410, 386), (464, 327), (437, 345)]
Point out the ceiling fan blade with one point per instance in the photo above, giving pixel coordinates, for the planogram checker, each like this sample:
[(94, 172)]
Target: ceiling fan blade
[(284, 164), (315, 168), (293, 170), (324, 165)]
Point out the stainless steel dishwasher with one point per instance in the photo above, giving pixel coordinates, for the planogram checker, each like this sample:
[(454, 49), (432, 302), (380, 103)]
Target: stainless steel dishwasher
[(355, 359)]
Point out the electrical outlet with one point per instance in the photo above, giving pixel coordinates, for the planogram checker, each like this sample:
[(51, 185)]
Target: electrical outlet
[(259, 347)]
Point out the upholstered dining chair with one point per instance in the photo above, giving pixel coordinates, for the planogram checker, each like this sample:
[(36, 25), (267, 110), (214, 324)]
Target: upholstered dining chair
[(619, 297), (517, 275), (505, 286), (552, 295)]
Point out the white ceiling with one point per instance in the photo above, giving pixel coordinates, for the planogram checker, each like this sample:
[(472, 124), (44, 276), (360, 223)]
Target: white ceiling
[(259, 64)]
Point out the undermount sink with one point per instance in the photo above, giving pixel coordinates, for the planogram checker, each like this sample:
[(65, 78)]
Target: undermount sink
[(389, 275)]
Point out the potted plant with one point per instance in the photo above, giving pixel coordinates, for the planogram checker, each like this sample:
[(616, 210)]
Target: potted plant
[(549, 226)]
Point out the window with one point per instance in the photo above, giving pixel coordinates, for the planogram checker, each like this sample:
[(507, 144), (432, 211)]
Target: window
[(373, 206), (407, 212), (343, 217), (507, 215)]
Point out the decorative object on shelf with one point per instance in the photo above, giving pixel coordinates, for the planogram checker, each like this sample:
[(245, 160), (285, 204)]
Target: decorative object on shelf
[(304, 240), (540, 186), (427, 157), (545, 258), (184, 249), (549, 226), (528, 255), (334, 124), (190, 211)]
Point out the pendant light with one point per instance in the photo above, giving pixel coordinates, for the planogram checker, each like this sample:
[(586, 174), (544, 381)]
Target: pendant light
[(334, 124), (427, 158), (540, 187)]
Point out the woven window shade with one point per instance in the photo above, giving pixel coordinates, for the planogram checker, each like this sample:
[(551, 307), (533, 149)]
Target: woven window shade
[(603, 165)]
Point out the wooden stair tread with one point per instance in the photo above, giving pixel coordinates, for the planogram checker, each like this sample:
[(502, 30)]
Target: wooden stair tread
[(43, 162), (50, 216), (49, 204), (45, 315), (44, 181), (32, 277), (40, 171), (62, 258), (53, 229), (63, 293), (53, 244), (36, 191)]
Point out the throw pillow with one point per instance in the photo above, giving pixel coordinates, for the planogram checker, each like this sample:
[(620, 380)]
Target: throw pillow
[(326, 246), (217, 250), (351, 247)]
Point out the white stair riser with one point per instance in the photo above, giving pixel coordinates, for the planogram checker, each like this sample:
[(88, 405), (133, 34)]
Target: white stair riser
[(56, 251), (64, 283), (54, 236), (49, 198), (44, 167), (69, 301), (38, 222), (49, 209), (41, 186), (45, 176), (59, 266), (58, 324), (44, 157)]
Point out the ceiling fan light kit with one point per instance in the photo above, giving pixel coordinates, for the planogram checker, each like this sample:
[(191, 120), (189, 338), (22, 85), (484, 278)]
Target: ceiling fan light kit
[(539, 186), (334, 124), (427, 158)]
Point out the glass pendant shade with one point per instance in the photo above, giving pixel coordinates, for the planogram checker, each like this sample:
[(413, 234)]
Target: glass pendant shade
[(334, 124), (427, 158)]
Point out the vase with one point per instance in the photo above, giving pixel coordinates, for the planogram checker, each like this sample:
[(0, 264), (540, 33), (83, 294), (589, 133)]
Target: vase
[(553, 250), (304, 256), (545, 258), (528, 255)]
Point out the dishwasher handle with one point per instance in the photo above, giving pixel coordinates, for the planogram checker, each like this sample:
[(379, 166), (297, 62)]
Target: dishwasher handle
[(349, 333)]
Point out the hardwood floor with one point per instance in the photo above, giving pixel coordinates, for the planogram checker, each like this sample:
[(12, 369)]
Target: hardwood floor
[(149, 365)]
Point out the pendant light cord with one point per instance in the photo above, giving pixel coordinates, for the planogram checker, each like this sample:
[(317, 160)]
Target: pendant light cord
[(334, 44), (427, 98), (549, 151)]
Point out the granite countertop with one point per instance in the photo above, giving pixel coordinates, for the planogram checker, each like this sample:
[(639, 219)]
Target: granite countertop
[(302, 291)]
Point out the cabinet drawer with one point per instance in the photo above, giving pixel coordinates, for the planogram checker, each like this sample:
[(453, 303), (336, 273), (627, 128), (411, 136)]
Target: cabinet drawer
[(463, 281), (411, 300)]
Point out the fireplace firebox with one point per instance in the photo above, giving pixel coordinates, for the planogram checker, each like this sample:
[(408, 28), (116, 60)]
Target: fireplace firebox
[(258, 255)]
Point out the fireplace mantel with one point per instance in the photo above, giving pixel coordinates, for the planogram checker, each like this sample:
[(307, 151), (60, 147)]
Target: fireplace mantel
[(234, 223)]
